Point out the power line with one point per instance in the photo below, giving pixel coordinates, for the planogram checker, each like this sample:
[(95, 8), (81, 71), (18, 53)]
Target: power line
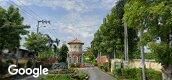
[(24, 11), (30, 10)]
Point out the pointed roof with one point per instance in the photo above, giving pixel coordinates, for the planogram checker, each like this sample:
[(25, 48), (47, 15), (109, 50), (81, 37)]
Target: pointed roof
[(75, 41)]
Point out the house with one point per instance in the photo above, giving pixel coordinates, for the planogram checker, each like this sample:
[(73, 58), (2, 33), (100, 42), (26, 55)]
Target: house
[(75, 53)]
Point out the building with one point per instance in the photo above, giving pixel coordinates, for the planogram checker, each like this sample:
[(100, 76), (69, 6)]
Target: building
[(102, 59), (75, 52)]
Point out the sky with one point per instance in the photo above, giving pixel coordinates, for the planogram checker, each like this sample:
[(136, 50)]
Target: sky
[(69, 19)]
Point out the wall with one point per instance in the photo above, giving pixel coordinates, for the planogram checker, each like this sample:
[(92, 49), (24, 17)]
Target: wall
[(136, 63)]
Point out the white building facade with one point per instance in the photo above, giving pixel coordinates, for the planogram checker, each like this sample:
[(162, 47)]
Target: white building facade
[(75, 54)]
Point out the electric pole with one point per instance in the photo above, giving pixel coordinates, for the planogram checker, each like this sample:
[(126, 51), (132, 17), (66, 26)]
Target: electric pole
[(126, 44), (142, 56), (43, 22)]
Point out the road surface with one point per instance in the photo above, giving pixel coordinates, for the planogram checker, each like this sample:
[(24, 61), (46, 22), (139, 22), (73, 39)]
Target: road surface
[(97, 74)]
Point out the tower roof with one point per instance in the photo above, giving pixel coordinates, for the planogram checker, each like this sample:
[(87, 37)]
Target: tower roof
[(75, 41)]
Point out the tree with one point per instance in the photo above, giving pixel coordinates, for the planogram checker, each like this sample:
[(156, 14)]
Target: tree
[(134, 16), (154, 17), (89, 55), (159, 24), (11, 27), (37, 42), (109, 39), (53, 44), (63, 53)]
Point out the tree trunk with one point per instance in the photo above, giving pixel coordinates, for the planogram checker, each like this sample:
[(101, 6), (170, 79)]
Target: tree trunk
[(167, 72)]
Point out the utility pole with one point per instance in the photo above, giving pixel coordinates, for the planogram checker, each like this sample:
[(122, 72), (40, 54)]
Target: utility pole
[(43, 22), (142, 55), (126, 44)]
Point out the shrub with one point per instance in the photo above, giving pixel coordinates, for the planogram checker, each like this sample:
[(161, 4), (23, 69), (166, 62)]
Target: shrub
[(79, 75), (136, 74), (72, 65), (104, 67), (3, 67), (29, 64), (9, 61), (153, 75), (72, 74), (56, 77), (77, 65)]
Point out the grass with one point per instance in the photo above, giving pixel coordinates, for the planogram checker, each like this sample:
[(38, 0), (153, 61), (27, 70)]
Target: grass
[(56, 77)]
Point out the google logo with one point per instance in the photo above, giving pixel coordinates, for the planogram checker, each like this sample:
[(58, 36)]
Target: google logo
[(28, 71)]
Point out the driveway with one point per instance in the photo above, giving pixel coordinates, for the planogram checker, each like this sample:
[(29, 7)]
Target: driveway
[(97, 74)]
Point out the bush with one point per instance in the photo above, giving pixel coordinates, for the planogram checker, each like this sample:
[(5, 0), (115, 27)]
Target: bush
[(3, 68), (72, 74), (104, 67), (77, 65), (136, 74), (56, 77), (79, 75), (153, 75), (29, 64), (9, 61)]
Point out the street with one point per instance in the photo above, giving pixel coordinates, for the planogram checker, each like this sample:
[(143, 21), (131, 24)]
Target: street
[(96, 74)]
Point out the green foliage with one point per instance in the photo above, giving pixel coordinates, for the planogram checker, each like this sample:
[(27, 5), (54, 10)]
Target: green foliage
[(105, 67), (4, 67), (63, 53), (135, 74), (163, 53), (79, 75), (153, 75), (36, 42), (29, 64), (89, 56), (44, 55), (56, 77), (109, 39), (75, 65), (11, 27), (73, 75)]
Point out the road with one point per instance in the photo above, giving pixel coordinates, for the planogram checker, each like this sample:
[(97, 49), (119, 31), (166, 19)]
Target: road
[(97, 74)]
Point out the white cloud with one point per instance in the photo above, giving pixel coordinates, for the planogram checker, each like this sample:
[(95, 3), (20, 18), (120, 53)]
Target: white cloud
[(108, 4), (69, 5), (72, 5), (79, 25), (74, 23)]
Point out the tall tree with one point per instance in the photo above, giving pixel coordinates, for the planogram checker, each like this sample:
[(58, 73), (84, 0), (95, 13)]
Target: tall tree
[(153, 16), (135, 14), (159, 27), (63, 53), (109, 39), (11, 27)]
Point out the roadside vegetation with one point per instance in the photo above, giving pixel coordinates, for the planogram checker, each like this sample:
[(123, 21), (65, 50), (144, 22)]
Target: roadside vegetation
[(148, 25)]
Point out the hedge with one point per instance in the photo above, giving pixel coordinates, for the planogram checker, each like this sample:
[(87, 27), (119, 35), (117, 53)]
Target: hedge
[(136, 74)]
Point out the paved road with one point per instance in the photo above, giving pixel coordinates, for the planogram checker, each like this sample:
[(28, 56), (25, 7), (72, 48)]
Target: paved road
[(96, 74)]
